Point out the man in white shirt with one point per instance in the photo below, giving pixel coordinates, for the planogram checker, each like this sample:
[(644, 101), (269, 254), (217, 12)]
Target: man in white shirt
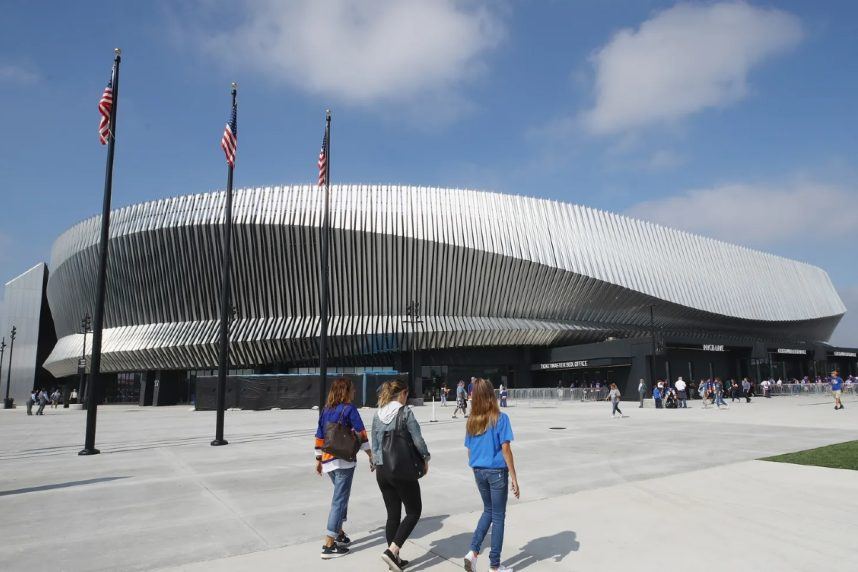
[(683, 396)]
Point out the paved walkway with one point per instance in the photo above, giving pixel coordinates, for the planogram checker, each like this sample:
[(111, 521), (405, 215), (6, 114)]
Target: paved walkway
[(659, 489)]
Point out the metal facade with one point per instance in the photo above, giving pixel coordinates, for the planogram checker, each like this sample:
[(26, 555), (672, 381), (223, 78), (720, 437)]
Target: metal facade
[(487, 268), (22, 308)]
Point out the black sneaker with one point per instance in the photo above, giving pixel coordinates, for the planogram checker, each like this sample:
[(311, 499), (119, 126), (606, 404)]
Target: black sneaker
[(343, 540), (392, 560), (334, 551)]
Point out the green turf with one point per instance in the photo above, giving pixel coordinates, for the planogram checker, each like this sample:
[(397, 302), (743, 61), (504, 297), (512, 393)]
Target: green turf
[(840, 456)]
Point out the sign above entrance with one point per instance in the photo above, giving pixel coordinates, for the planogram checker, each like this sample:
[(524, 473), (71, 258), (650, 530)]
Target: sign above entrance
[(845, 354), (564, 364), (713, 348), (792, 351), (582, 364)]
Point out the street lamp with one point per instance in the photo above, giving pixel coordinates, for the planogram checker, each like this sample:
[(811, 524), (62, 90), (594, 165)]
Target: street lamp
[(7, 403), (2, 351), (412, 311), (85, 326), (652, 336)]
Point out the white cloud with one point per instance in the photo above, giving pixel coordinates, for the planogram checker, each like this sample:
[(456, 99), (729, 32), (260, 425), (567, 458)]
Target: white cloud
[(18, 75), (757, 215), (362, 52), (664, 160), (683, 60)]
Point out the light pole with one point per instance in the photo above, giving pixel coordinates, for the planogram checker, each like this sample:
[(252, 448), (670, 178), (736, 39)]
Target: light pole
[(2, 351), (85, 326), (654, 349), (412, 311), (7, 403)]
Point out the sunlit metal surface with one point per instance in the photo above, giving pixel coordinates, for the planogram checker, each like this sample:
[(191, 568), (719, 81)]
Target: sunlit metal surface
[(487, 268)]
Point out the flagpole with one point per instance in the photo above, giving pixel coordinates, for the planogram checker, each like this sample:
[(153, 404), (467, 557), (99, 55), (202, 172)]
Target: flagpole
[(100, 290), (326, 230), (226, 262)]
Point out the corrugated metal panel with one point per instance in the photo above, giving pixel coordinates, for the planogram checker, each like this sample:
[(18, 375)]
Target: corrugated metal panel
[(487, 268)]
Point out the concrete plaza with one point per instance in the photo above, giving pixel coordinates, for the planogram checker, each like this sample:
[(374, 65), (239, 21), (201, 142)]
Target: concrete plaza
[(656, 490)]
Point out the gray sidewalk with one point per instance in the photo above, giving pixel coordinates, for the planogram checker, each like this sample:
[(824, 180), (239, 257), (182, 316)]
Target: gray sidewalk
[(597, 494)]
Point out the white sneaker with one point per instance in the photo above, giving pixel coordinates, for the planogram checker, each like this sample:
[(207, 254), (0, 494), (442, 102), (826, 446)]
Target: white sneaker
[(470, 561), (501, 569)]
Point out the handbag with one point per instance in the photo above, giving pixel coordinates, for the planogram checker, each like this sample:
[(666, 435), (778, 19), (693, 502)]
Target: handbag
[(341, 441), (400, 456)]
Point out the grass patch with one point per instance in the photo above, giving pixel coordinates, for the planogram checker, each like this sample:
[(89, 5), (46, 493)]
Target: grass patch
[(840, 456)]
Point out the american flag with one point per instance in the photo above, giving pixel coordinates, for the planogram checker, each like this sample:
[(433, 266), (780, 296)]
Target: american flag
[(323, 161), (229, 141), (105, 105)]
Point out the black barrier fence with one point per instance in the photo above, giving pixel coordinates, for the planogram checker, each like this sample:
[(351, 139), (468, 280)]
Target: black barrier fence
[(286, 391)]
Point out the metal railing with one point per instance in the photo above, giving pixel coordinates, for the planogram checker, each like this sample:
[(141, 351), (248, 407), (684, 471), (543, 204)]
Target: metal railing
[(804, 389), (552, 397)]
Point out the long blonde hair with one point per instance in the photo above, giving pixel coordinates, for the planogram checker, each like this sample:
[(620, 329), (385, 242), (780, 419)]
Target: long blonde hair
[(390, 390), (484, 408)]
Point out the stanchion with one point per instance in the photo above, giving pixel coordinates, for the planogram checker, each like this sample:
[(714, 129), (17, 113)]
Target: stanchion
[(433, 420)]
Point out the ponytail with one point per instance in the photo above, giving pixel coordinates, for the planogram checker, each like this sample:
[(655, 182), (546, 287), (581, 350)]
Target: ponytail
[(390, 390)]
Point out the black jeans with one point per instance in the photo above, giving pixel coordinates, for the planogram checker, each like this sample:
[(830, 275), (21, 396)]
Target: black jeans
[(396, 493)]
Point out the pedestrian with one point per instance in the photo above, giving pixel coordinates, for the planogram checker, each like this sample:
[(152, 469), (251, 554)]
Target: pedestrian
[(503, 396), (734, 391), (43, 400), (444, 391), (719, 393), (656, 396), (30, 402), (340, 434), (614, 396), (681, 390), (767, 388), (73, 396), (746, 390), (837, 389), (641, 392), (487, 437), (398, 487), (702, 392), (55, 398), (461, 400)]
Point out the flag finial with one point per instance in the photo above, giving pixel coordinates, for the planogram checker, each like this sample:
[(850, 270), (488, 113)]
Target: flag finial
[(117, 51), (327, 114), (234, 85)]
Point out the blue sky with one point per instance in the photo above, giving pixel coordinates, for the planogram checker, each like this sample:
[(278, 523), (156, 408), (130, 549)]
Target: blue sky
[(733, 120)]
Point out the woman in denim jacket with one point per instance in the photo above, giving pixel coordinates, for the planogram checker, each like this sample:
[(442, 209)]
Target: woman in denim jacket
[(397, 492)]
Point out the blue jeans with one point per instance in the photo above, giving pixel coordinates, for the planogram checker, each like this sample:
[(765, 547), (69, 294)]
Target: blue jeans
[(493, 485), (342, 479)]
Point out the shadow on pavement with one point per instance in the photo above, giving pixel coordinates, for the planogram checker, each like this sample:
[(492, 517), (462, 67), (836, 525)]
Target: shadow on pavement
[(376, 536), (59, 486), (452, 548), (555, 547)]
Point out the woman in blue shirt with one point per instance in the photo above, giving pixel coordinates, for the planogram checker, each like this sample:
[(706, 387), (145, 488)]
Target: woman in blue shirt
[(488, 437)]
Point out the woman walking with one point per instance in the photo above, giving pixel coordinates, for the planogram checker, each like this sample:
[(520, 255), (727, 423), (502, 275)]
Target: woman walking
[(339, 422), (488, 437), (614, 396), (397, 489)]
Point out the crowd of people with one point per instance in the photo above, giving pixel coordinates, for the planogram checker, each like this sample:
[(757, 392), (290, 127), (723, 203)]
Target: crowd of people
[(463, 396), (41, 397), (399, 457), (712, 391)]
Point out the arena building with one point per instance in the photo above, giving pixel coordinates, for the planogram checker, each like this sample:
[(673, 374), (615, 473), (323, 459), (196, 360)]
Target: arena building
[(526, 291)]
